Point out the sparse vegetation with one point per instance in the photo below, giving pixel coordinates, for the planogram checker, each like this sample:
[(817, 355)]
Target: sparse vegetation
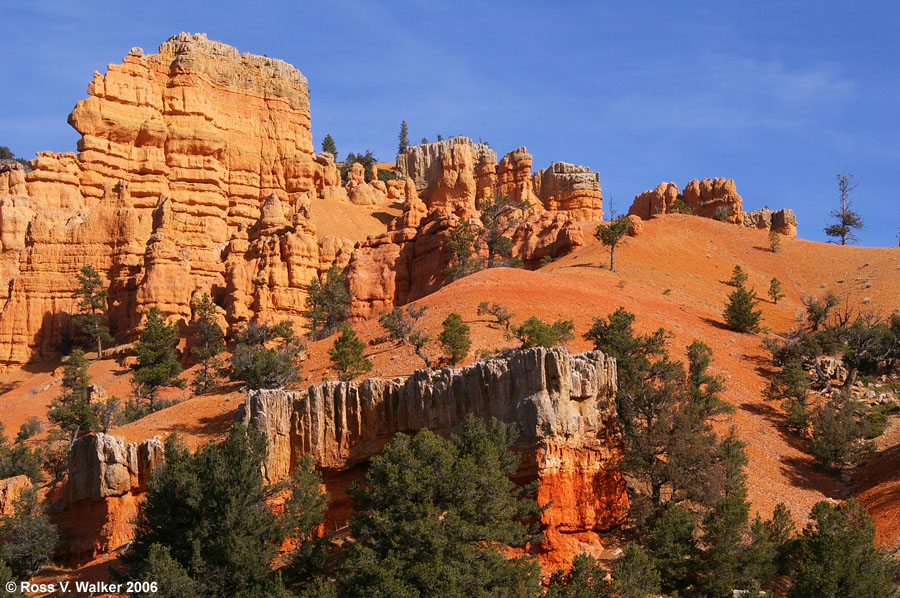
[(27, 537), (775, 291), (462, 243), (774, 241), (327, 304), (454, 338), (400, 323), (610, 235), (347, 355), (367, 160), (499, 312), (17, 457), (740, 312), (846, 221), (499, 216), (738, 277)]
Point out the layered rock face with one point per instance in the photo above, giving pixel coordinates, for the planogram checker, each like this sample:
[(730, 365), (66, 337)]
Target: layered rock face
[(101, 494), (170, 194), (563, 405), (572, 189), (711, 198)]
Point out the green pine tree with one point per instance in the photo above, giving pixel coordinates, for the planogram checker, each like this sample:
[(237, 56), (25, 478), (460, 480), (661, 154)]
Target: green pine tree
[(157, 360), (71, 411), (846, 221), (404, 138), (740, 314), (775, 290), (635, 574), (266, 356), (455, 339), (28, 537), (92, 315), (327, 304), (461, 243), (610, 235), (329, 146), (436, 517), (209, 344), (534, 332), (347, 355)]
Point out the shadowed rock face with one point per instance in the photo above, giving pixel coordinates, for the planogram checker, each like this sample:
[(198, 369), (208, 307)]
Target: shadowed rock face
[(563, 405)]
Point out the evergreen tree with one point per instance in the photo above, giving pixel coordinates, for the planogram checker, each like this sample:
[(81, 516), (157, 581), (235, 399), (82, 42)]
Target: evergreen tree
[(404, 138), (71, 410), (347, 355), (400, 324), (635, 574), (455, 338), (774, 241), (92, 317), (304, 513), (7, 577), (209, 338), (740, 314), (837, 556), (674, 549), (329, 146), (585, 579), (838, 433), (846, 221), (462, 243), (327, 304), (206, 523), (534, 332), (775, 291), (738, 277), (418, 340), (266, 356), (436, 517), (610, 235), (17, 457), (499, 216), (157, 360), (28, 538)]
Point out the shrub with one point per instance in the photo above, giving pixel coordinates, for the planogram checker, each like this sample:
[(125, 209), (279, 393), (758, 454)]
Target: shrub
[(455, 338), (28, 537), (534, 332), (266, 356), (327, 304), (347, 355), (500, 313), (399, 324), (838, 433)]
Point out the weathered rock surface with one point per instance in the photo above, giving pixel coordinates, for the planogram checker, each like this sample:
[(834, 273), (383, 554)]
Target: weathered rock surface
[(102, 492), (563, 405), (10, 488), (574, 190), (712, 198), (781, 221)]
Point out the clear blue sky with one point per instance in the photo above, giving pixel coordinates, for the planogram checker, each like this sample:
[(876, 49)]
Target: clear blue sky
[(779, 96)]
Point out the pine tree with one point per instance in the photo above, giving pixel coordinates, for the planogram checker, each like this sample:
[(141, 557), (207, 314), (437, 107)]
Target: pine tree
[(304, 512), (329, 146), (774, 241), (404, 138), (585, 579), (209, 513), (740, 314), (499, 216), (846, 220), (92, 316), (209, 337), (266, 356), (462, 243), (610, 235), (455, 338), (837, 556), (347, 355), (71, 411), (437, 517), (838, 433), (157, 361), (327, 304), (775, 291), (635, 574), (400, 324), (28, 537), (534, 332), (738, 277)]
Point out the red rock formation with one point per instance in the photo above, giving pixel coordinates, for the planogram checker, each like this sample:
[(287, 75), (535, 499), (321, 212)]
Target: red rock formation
[(10, 488), (570, 189), (563, 405), (712, 198), (514, 176)]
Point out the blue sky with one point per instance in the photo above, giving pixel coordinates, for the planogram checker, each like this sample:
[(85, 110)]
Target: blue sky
[(779, 96)]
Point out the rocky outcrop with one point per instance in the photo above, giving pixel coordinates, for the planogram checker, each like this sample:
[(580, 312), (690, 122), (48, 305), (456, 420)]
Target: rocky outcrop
[(101, 494), (562, 404), (711, 198), (570, 189), (781, 221), (10, 488), (424, 165), (514, 176)]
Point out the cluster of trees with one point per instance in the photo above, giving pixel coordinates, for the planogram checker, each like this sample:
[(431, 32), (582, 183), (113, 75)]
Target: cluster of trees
[(840, 428), (486, 244)]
